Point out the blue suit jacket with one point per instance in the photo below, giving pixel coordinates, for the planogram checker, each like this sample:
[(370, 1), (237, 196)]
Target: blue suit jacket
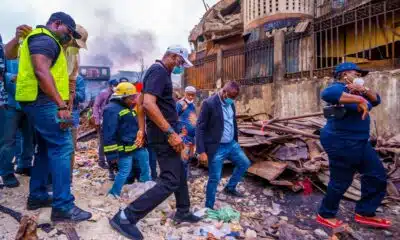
[(210, 126)]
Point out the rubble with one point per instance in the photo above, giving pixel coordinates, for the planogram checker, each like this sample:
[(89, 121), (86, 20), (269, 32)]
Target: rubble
[(292, 144), (284, 159)]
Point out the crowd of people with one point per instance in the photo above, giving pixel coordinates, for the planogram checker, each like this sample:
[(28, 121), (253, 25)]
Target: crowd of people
[(140, 126)]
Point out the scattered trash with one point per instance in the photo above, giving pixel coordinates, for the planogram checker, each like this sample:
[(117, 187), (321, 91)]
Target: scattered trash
[(225, 214)]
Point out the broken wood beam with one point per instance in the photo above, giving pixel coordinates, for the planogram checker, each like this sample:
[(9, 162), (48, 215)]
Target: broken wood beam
[(290, 131), (295, 117)]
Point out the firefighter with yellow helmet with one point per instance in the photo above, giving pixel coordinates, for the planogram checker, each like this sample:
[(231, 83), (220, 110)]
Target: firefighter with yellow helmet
[(120, 131)]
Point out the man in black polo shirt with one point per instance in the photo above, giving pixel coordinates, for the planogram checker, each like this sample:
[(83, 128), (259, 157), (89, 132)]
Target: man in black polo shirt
[(162, 120)]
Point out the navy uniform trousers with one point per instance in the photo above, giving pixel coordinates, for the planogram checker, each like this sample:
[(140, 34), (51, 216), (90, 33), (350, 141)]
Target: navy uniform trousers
[(346, 157)]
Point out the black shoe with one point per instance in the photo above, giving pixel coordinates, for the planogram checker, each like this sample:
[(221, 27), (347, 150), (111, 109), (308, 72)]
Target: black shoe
[(74, 215), (125, 227), (233, 193), (23, 171), (103, 165), (187, 217), (10, 181), (36, 204), (111, 176)]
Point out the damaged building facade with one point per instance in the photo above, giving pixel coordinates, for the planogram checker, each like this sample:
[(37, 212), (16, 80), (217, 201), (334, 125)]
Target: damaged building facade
[(283, 53)]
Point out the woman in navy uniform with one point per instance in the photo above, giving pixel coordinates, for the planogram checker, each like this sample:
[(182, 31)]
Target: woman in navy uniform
[(345, 138)]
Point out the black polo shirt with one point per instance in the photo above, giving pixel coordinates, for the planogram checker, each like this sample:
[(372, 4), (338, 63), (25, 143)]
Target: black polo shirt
[(157, 82)]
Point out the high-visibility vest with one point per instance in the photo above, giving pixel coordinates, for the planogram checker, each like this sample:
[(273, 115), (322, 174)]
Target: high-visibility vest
[(27, 84)]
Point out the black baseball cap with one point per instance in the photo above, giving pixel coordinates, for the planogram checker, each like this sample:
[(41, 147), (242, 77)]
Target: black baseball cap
[(67, 20)]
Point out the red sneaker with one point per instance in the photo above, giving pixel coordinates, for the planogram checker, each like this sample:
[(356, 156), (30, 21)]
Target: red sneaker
[(373, 221), (327, 223)]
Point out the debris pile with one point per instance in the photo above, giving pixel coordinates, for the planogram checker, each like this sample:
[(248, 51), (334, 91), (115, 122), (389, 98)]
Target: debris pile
[(280, 144), (293, 144)]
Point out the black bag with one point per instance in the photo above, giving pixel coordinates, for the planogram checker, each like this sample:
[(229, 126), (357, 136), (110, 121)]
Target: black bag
[(334, 111)]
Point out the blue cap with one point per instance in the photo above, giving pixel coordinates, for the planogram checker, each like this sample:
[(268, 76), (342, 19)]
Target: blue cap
[(349, 66), (113, 82), (67, 20), (181, 51)]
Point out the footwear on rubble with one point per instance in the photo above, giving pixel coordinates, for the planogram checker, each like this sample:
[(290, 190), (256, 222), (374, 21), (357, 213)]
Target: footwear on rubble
[(373, 222), (74, 215), (125, 227), (233, 193), (103, 165), (187, 217), (325, 222), (34, 204), (10, 181)]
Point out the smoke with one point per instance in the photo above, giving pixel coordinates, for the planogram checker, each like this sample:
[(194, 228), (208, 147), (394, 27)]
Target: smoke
[(116, 45)]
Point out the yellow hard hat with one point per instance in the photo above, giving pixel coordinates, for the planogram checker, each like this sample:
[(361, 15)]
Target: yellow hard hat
[(124, 89)]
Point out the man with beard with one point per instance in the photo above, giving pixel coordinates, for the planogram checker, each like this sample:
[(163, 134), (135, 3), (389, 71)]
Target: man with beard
[(42, 89)]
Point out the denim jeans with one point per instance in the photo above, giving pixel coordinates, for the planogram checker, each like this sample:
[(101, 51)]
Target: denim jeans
[(124, 169), (125, 165), (234, 153), (345, 158), (24, 146), (141, 156), (12, 120), (53, 155)]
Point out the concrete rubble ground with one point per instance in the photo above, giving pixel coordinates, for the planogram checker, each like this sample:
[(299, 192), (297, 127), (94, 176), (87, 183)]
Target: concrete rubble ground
[(279, 205)]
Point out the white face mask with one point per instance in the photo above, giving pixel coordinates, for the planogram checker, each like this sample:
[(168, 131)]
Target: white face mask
[(358, 81), (189, 101)]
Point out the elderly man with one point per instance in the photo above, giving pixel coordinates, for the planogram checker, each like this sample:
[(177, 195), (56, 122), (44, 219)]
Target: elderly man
[(162, 136), (187, 122), (216, 140), (43, 89)]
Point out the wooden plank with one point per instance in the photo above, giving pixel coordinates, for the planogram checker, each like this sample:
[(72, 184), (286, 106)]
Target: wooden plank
[(291, 130), (257, 132), (267, 169)]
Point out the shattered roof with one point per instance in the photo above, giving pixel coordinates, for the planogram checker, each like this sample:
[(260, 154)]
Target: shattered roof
[(221, 19)]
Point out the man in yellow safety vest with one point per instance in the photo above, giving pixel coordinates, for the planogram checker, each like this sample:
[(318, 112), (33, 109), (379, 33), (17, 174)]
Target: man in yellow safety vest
[(42, 89)]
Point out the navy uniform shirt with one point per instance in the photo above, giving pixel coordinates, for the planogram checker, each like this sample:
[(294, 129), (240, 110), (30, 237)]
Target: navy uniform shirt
[(158, 83), (351, 126)]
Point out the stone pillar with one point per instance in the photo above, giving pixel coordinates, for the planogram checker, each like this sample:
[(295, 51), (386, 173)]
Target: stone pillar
[(279, 56)]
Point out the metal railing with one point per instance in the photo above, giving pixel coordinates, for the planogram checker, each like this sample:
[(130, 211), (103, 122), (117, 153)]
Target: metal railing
[(365, 35), (259, 62)]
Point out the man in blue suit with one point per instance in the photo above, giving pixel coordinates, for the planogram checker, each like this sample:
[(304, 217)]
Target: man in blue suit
[(217, 140)]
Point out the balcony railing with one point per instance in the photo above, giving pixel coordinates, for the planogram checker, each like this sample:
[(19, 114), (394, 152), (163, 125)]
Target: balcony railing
[(331, 7)]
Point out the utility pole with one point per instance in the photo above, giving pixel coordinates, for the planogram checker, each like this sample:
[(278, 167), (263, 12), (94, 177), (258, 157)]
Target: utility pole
[(205, 5)]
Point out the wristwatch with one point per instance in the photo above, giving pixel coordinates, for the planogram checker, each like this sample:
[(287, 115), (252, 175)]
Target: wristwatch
[(170, 131)]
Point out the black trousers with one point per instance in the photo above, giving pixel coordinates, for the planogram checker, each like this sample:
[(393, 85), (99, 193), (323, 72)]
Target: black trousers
[(172, 179)]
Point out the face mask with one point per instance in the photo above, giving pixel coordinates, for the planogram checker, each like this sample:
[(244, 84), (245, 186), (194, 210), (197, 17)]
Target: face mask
[(64, 39), (178, 70), (229, 101), (359, 81)]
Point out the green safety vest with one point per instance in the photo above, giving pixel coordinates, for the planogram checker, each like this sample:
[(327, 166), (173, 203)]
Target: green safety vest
[(27, 84)]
